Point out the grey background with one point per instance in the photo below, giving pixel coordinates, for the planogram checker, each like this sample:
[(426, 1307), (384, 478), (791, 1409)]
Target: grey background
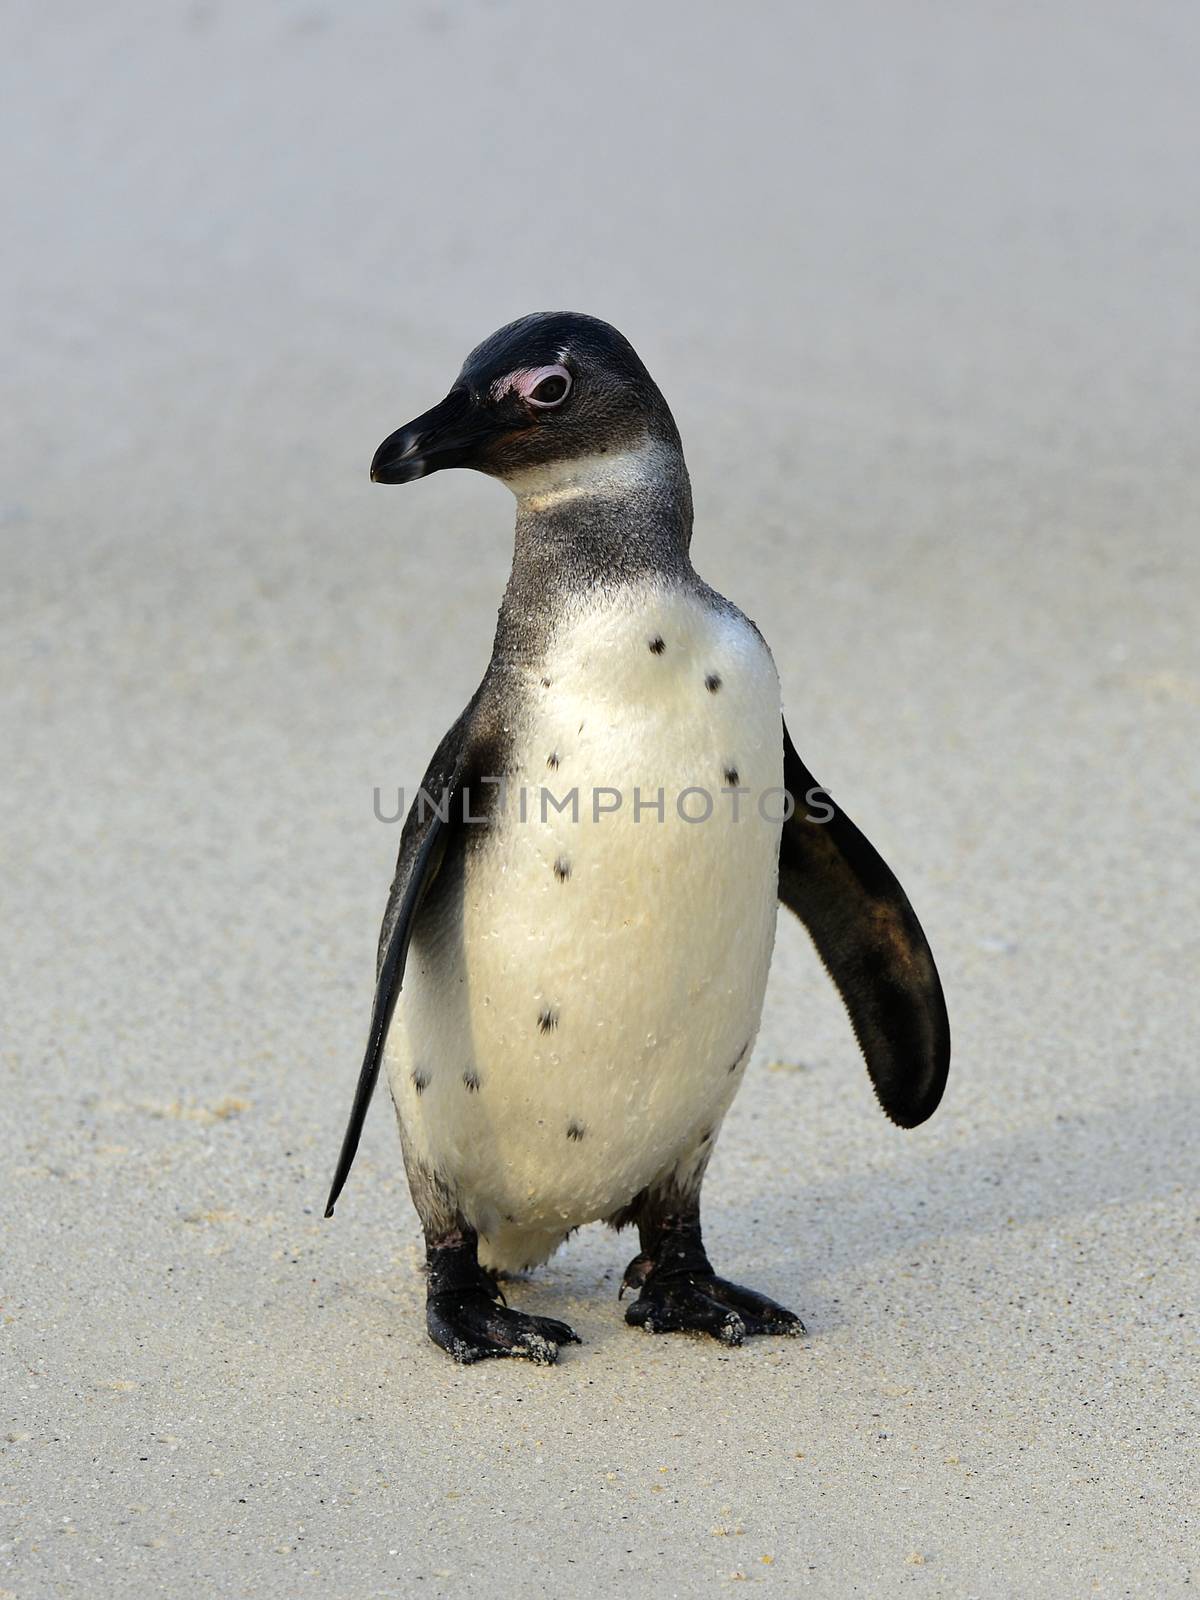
[(919, 281)]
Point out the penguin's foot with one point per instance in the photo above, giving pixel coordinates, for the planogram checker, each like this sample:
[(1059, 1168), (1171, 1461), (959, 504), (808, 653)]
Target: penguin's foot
[(473, 1327), (678, 1291), (698, 1302), (466, 1314)]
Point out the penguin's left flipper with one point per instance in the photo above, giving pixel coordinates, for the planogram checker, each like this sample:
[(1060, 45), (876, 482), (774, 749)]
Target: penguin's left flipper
[(868, 936), (432, 819)]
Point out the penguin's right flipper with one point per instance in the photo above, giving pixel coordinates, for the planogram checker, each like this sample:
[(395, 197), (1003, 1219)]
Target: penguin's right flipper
[(873, 947), (433, 817)]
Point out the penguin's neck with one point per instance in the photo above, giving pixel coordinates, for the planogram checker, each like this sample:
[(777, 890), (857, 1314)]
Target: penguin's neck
[(590, 524)]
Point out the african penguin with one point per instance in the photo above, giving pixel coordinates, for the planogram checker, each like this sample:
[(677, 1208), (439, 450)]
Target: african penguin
[(575, 949)]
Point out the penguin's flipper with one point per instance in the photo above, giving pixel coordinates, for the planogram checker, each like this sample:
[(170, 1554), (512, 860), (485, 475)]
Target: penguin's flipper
[(432, 819), (872, 945)]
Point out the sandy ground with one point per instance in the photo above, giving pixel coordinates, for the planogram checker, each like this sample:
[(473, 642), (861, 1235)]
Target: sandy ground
[(920, 282)]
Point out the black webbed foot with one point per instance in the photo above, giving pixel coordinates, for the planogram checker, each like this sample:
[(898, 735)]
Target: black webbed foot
[(680, 1292), (698, 1303), (473, 1327), (466, 1314)]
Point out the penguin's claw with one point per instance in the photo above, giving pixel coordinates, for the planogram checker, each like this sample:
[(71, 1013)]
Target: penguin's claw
[(698, 1303), (636, 1273), (471, 1326)]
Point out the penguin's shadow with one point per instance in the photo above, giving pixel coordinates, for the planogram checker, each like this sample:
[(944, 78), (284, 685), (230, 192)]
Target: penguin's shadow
[(1076, 1165), (1072, 1167)]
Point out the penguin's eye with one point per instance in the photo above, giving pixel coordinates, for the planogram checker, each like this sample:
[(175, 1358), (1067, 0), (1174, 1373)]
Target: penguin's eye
[(551, 390), (544, 387)]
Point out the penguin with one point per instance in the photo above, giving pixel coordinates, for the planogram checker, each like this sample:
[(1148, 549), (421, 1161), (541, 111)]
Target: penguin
[(575, 948)]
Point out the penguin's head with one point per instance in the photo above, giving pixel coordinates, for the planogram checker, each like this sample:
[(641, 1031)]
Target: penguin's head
[(543, 394)]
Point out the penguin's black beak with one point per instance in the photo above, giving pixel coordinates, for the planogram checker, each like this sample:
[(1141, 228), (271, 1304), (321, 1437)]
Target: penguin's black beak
[(449, 435)]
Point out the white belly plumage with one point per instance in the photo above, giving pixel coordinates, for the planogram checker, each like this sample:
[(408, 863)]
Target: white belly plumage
[(576, 1019)]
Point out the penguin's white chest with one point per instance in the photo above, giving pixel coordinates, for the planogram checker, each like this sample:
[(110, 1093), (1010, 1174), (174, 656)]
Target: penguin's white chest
[(576, 1019)]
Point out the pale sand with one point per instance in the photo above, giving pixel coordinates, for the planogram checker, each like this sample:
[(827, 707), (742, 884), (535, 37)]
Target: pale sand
[(920, 283)]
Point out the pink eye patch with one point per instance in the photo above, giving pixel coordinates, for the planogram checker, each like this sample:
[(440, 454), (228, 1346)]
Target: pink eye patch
[(540, 386)]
